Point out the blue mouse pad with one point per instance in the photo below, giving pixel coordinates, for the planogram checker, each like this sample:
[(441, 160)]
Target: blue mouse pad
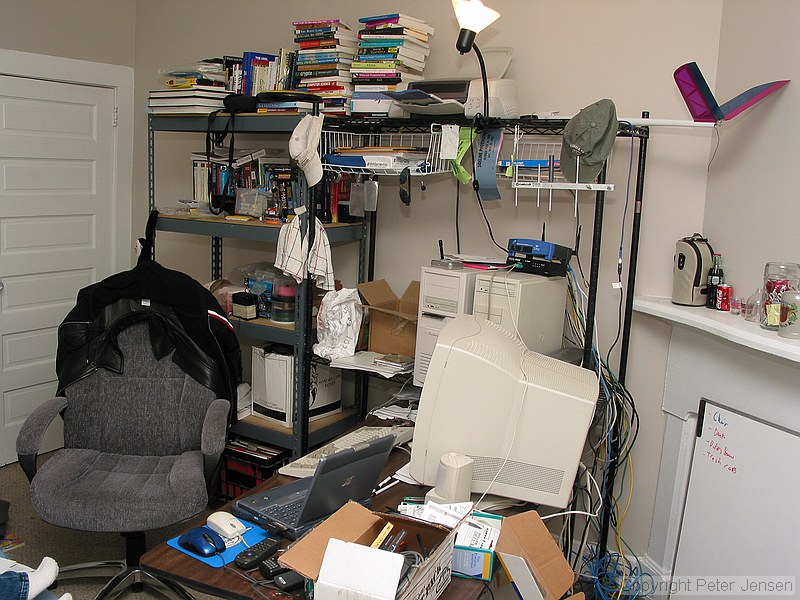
[(252, 536)]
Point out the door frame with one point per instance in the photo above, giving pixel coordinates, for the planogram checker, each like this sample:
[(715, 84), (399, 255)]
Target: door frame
[(120, 79)]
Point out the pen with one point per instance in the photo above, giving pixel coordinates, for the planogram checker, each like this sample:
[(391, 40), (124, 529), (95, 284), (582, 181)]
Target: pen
[(386, 542), (396, 541), (387, 486)]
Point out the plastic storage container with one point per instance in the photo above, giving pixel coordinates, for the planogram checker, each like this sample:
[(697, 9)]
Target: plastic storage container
[(284, 292)]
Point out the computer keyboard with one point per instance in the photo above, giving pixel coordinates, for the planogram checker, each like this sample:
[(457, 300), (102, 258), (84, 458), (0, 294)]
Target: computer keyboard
[(285, 513), (305, 465)]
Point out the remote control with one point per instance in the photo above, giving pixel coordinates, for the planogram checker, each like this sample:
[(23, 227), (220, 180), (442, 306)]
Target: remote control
[(250, 557), (270, 568)]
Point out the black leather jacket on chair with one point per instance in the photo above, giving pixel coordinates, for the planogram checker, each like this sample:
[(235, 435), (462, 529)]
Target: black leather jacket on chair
[(181, 313)]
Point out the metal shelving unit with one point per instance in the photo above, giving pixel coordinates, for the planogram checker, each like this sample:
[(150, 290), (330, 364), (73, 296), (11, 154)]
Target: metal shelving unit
[(299, 335), (373, 131)]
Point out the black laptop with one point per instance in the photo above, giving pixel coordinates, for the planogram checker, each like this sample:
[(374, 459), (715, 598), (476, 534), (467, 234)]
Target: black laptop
[(294, 508)]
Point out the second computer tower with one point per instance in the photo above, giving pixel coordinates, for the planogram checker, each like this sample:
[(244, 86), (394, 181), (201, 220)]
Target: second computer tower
[(533, 305), (443, 294)]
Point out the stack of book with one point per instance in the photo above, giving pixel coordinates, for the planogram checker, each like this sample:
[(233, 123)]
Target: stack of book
[(327, 48), (286, 103), (195, 99), (211, 177), (392, 50), (255, 72)]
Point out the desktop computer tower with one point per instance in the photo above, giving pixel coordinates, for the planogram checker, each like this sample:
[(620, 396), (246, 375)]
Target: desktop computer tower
[(443, 294), (533, 302)]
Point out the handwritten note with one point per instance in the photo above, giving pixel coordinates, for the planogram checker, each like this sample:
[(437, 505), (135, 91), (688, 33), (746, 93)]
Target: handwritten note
[(718, 447)]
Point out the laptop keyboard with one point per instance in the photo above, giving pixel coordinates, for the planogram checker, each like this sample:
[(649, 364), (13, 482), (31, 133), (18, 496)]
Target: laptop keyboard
[(305, 465), (285, 513)]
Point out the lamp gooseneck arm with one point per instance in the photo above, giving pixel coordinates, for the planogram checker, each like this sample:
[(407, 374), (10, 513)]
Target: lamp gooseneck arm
[(484, 80)]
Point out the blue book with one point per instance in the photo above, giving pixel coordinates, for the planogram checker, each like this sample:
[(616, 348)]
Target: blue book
[(249, 60), (322, 58)]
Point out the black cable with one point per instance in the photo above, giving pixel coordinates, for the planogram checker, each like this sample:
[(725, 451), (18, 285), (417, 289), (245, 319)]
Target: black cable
[(619, 328), (486, 219), (458, 210), (488, 589)]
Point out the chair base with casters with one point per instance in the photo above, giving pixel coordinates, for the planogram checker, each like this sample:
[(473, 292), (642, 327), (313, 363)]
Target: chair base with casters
[(123, 578)]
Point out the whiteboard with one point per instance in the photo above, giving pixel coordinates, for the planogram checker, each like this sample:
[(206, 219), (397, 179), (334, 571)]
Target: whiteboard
[(744, 488)]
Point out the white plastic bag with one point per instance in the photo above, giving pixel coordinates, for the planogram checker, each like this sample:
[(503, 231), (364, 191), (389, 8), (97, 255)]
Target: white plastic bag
[(338, 323)]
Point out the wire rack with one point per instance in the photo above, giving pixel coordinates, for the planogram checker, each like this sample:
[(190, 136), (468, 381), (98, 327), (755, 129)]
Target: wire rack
[(535, 163), (384, 153)]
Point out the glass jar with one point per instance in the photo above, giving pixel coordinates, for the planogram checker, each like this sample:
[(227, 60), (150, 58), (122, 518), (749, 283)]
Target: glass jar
[(778, 277), (752, 307), (790, 325)]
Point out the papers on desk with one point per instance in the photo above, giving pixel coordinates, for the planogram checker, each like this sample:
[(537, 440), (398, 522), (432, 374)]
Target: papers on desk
[(391, 412), (364, 361), (442, 514)]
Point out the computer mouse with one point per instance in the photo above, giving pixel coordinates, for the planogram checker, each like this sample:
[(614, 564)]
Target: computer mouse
[(226, 525), (202, 542)]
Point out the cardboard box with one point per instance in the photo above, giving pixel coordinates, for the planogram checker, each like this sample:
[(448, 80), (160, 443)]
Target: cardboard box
[(273, 389), (354, 523), (533, 560), (393, 320)]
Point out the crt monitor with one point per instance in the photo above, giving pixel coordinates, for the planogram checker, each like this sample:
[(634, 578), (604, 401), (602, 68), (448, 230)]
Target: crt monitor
[(521, 416)]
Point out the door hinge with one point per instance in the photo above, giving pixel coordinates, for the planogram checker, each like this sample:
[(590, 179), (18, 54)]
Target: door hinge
[(115, 121)]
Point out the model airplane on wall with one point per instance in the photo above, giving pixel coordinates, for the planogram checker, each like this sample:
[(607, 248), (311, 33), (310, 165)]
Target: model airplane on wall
[(701, 102)]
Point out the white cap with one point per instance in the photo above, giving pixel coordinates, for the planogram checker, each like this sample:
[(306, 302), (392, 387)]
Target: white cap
[(303, 147)]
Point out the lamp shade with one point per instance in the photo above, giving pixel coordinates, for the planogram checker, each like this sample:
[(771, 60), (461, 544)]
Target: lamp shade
[(473, 15)]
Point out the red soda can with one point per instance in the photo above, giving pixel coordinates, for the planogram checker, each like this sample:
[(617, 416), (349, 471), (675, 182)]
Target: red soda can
[(724, 295)]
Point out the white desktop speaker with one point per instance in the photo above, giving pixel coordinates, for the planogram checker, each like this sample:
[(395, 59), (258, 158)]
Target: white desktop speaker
[(453, 479)]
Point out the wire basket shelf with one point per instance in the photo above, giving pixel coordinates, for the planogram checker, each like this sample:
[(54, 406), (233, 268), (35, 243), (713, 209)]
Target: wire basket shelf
[(384, 153), (535, 163)]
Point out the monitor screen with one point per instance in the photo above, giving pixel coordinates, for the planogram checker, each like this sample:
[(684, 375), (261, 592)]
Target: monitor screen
[(521, 416)]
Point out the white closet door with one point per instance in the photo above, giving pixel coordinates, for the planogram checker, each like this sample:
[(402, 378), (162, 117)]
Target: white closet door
[(56, 188)]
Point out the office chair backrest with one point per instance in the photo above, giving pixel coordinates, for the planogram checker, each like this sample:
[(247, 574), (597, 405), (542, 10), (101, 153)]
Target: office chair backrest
[(151, 409)]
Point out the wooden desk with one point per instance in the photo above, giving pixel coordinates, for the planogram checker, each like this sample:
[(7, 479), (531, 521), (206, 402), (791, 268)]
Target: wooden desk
[(167, 562)]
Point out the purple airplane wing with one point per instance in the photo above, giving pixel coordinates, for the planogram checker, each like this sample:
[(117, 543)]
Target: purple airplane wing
[(701, 102)]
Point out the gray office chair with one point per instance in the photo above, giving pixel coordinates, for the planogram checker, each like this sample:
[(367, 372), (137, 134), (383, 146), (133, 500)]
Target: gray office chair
[(140, 452)]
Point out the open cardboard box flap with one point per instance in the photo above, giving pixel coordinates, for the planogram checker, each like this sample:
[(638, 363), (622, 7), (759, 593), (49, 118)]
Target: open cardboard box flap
[(379, 296), (393, 320), (353, 523), (532, 558)]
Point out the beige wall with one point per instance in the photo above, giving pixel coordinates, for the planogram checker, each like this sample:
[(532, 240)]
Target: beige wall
[(95, 30), (751, 205), (567, 55)]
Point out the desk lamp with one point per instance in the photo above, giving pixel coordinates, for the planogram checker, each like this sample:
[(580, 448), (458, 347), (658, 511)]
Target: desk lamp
[(473, 17)]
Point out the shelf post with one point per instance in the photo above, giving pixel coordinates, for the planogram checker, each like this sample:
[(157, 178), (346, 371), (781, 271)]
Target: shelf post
[(594, 272)]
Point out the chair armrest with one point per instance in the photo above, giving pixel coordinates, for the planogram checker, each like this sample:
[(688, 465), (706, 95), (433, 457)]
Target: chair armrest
[(32, 432), (215, 426)]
